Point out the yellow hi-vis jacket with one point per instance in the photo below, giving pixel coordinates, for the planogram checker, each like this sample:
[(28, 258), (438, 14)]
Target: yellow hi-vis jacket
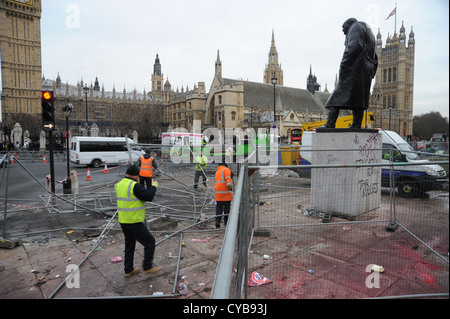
[(146, 167), (131, 209)]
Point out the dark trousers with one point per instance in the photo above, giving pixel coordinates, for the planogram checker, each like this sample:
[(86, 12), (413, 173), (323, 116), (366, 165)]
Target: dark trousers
[(197, 177), (358, 116), (333, 114), (138, 232), (146, 181), (222, 208)]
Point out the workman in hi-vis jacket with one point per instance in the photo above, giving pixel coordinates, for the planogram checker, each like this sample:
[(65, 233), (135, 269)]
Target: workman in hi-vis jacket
[(131, 198), (147, 163), (201, 162), (223, 188)]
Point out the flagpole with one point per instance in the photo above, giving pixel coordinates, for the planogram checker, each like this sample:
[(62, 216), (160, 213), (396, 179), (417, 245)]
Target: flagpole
[(395, 26)]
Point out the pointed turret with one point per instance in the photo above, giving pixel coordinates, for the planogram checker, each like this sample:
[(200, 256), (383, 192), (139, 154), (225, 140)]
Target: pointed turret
[(272, 67), (157, 66), (218, 66)]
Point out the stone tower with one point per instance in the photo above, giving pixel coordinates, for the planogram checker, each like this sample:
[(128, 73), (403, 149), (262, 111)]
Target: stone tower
[(273, 67), (311, 82), (157, 76), (392, 96), (20, 56)]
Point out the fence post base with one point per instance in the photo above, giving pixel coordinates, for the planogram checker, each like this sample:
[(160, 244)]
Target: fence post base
[(261, 233), (392, 226)]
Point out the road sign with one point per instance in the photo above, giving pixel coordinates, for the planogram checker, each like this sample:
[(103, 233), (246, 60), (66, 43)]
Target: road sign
[(49, 126)]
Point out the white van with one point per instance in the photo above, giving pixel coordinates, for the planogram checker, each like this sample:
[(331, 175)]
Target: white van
[(410, 180), (96, 151)]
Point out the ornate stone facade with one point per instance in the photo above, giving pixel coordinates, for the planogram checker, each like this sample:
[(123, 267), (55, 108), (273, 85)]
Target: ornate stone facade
[(20, 57), (393, 91)]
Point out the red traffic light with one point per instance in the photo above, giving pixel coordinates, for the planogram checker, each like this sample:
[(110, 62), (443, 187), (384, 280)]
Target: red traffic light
[(46, 95)]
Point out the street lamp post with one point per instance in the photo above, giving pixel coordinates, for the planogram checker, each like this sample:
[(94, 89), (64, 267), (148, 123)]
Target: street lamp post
[(86, 91), (274, 82), (67, 185)]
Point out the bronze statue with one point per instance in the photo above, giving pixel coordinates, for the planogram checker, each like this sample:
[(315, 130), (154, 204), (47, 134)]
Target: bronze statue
[(358, 67)]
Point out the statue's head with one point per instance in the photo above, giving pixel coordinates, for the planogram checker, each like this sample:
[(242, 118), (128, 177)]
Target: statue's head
[(347, 24)]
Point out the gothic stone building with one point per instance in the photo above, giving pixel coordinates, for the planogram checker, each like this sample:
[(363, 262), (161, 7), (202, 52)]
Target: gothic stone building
[(114, 113), (392, 95), (233, 103), (20, 57)]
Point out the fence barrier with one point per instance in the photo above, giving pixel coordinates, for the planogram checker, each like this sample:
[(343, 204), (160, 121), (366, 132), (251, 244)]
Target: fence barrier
[(290, 247), (279, 242)]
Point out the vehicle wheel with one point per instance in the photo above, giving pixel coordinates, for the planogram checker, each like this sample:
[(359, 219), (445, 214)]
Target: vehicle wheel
[(96, 163), (408, 189)]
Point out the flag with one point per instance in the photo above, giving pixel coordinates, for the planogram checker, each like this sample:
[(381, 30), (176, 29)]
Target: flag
[(392, 13)]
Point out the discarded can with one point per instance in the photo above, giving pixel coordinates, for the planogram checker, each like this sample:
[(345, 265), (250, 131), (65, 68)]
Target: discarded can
[(377, 268), (182, 288), (116, 259)]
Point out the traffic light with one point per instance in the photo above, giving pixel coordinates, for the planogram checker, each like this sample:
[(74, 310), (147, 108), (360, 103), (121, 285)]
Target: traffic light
[(48, 110)]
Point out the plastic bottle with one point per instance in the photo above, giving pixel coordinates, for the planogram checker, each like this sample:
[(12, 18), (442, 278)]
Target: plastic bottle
[(182, 288)]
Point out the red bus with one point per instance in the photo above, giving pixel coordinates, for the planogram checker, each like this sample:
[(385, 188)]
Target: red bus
[(296, 135)]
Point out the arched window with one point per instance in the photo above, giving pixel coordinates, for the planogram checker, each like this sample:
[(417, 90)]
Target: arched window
[(394, 75), (220, 99), (389, 75), (233, 116), (384, 76)]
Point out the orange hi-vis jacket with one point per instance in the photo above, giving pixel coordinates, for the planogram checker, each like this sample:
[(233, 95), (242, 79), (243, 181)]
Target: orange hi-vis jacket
[(223, 176), (146, 167)]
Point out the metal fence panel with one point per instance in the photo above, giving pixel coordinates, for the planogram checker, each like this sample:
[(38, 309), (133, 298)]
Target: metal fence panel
[(397, 249)]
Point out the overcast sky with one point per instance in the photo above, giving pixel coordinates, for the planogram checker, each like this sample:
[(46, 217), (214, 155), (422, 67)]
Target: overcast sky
[(117, 41)]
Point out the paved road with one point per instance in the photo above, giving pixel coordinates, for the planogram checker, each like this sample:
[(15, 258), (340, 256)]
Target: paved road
[(28, 182)]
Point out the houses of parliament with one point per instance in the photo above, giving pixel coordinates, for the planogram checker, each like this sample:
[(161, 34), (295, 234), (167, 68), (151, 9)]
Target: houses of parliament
[(229, 103)]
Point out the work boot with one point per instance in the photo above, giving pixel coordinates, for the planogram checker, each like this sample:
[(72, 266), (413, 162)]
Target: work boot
[(134, 272), (152, 270), (333, 114)]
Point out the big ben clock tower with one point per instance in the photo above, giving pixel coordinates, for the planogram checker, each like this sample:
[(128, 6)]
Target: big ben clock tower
[(20, 57)]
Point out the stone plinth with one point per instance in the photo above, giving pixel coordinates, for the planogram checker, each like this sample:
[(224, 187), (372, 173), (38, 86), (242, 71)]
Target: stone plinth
[(348, 191)]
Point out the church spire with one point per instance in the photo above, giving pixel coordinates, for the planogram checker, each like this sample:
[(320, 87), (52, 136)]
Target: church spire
[(218, 66), (273, 68), (273, 53)]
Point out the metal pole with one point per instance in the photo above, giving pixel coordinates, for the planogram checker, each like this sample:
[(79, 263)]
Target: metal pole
[(274, 104), (86, 107), (6, 160), (68, 183), (52, 163), (222, 279)]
